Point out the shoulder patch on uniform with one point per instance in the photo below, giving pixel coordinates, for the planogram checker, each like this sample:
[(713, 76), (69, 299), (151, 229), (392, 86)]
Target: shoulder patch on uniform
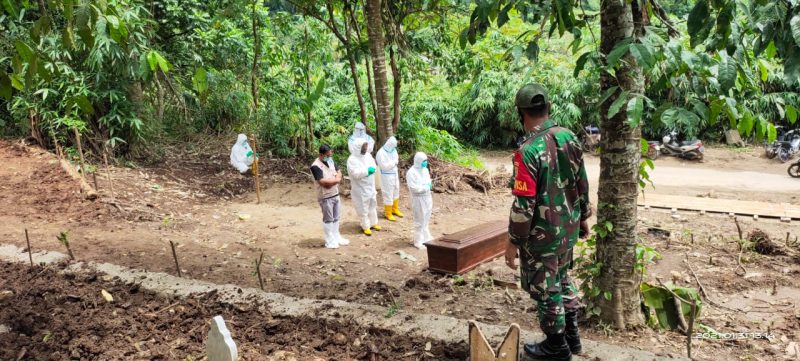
[(524, 184)]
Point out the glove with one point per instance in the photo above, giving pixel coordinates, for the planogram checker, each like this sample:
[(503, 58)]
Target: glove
[(370, 170), (430, 185)]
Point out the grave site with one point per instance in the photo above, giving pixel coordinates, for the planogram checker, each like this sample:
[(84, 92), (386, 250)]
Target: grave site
[(124, 293)]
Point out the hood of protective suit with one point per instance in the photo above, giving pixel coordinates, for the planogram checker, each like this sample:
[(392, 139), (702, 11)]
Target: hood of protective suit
[(391, 144), (241, 139), (360, 130), (418, 159), (357, 144)]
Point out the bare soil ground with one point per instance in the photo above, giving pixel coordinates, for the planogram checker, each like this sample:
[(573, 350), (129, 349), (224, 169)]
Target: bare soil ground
[(198, 201), (63, 317)]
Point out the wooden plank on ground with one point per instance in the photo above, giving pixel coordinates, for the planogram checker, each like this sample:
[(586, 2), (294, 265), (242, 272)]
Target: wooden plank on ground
[(725, 206)]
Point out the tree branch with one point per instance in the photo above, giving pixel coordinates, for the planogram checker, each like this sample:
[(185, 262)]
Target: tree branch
[(662, 15)]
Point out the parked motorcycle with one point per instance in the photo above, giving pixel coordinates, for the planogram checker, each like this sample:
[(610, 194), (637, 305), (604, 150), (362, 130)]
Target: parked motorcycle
[(653, 149), (794, 169), (691, 149), (785, 146), (591, 139)]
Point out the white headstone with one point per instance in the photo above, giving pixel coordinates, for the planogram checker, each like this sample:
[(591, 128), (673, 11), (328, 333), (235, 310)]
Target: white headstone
[(220, 345)]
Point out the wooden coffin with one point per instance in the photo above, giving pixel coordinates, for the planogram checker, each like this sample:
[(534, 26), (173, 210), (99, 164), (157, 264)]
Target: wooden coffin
[(462, 251)]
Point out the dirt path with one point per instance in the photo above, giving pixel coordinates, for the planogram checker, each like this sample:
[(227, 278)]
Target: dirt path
[(208, 210)]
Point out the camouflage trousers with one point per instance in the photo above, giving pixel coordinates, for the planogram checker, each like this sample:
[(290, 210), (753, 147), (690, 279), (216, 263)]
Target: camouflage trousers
[(546, 278)]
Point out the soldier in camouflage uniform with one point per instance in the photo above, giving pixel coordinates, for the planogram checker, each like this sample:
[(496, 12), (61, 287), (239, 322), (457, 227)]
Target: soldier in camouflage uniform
[(549, 213)]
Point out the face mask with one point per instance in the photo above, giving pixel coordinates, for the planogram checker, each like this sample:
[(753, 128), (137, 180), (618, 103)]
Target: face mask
[(363, 151), (328, 159), (425, 164)]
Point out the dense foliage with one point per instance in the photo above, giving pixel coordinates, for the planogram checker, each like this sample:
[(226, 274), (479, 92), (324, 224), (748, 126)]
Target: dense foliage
[(129, 74)]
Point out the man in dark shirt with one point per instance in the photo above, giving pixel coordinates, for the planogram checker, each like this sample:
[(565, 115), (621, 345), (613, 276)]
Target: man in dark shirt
[(326, 183)]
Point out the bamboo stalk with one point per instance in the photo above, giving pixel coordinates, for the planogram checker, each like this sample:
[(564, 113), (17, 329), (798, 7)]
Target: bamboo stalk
[(255, 170), (738, 228), (80, 151), (691, 329), (688, 326), (108, 173), (175, 256), (28, 240), (258, 271)]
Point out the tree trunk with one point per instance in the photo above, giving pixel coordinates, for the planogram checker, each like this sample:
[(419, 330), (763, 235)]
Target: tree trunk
[(256, 54), (618, 189), (396, 83), (160, 94), (310, 136), (354, 72), (371, 91), (376, 47), (351, 59)]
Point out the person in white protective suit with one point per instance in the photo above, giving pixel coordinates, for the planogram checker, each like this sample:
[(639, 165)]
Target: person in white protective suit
[(242, 156), (326, 183), (361, 167), (360, 132), (387, 160), (418, 179)]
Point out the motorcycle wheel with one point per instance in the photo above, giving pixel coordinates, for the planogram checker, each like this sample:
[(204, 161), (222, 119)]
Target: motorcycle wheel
[(693, 155), (784, 155), (794, 170), (770, 153)]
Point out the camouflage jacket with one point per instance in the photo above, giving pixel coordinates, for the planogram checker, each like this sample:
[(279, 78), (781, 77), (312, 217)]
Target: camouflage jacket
[(551, 192)]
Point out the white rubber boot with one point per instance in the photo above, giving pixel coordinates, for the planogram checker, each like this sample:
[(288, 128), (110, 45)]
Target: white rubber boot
[(330, 237), (341, 240)]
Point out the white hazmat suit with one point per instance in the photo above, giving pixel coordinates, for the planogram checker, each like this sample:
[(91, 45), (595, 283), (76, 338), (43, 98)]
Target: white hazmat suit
[(242, 156), (387, 160), (360, 132), (418, 179), (361, 168)]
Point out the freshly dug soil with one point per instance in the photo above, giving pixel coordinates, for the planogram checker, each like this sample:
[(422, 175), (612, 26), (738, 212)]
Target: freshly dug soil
[(51, 316), (762, 243)]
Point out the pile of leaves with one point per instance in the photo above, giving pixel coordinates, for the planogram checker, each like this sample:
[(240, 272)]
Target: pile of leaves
[(452, 178)]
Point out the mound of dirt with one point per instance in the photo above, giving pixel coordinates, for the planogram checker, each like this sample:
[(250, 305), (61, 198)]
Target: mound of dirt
[(762, 243), (49, 316), (34, 183)]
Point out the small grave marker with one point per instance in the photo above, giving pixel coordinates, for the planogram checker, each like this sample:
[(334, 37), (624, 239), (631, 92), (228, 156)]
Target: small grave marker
[(220, 345), (480, 350)]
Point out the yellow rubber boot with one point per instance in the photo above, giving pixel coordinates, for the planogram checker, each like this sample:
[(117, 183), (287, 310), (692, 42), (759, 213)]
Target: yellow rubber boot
[(388, 213), (376, 227), (396, 208), (367, 232)]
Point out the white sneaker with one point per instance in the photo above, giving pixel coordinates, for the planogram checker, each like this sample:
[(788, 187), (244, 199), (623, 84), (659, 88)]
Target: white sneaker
[(420, 246), (333, 245)]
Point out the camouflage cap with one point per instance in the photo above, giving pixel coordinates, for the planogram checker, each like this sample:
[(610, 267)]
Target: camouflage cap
[(527, 94)]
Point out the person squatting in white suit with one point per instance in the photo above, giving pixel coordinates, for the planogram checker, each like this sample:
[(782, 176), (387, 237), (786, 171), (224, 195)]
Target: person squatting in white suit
[(418, 179), (360, 132), (242, 156), (361, 167), (387, 160)]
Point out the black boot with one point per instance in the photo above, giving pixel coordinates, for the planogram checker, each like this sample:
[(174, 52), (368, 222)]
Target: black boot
[(571, 333), (553, 348)]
